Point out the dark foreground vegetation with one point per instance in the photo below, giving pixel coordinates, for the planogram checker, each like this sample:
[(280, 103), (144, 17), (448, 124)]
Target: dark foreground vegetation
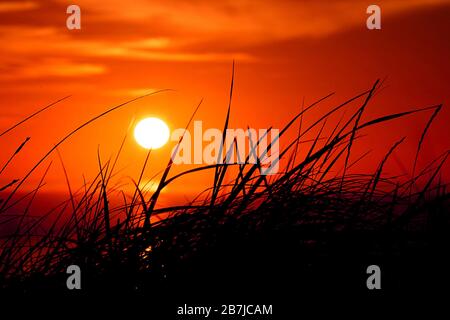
[(310, 230)]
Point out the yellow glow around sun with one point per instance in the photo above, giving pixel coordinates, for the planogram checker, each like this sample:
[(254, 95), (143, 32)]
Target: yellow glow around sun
[(151, 133)]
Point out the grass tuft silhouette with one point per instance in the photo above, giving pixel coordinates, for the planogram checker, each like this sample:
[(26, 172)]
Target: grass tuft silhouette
[(253, 229)]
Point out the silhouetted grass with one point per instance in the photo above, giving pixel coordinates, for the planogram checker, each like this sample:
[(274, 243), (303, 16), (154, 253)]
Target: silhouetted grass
[(285, 224)]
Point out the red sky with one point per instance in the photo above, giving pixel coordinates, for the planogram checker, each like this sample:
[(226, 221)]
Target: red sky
[(285, 51)]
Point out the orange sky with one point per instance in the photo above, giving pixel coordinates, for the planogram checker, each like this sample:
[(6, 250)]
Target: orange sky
[(285, 51)]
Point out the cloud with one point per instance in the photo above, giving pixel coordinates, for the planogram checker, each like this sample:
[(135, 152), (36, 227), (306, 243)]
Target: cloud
[(51, 68), (176, 30), (11, 6), (248, 20), (57, 52), (133, 92)]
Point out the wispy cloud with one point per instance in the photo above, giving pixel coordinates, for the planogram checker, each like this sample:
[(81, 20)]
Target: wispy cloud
[(177, 30), (27, 45), (10, 6), (252, 21), (51, 68), (133, 92)]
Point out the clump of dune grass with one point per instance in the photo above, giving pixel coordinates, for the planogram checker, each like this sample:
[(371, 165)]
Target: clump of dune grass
[(315, 204)]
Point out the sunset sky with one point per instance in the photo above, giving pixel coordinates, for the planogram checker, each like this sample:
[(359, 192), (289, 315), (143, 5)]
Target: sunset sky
[(285, 52)]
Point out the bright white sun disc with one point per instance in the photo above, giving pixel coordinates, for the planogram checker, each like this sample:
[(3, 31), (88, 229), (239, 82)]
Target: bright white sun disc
[(151, 133)]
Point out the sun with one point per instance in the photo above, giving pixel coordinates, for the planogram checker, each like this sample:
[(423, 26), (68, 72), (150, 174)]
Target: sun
[(151, 133)]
